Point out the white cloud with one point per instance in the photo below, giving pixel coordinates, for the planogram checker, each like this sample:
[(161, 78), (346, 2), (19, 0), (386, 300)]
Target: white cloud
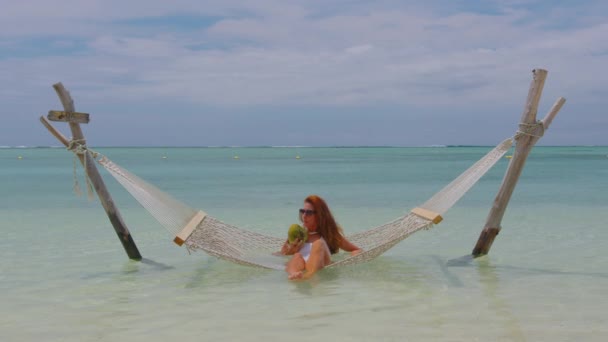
[(270, 53), (137, 48)]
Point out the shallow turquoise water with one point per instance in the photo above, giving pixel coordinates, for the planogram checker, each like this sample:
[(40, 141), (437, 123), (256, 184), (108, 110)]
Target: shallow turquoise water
[(64, 276)]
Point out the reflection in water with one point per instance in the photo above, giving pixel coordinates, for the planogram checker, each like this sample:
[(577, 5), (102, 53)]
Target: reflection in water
[(452, 279), (385, 268), (217, 272), (492, 286), (383, 271), (467, 261), (464, 260), (336, 292), (159, 266), (130, 266), (490, 282)]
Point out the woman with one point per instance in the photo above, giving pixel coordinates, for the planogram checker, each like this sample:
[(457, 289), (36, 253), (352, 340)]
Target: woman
[(324, 238)]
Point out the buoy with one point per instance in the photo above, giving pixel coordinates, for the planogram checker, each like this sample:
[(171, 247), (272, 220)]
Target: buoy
[(236, 157), (20, 157), (164, 157), (297, 157), (508, 157)]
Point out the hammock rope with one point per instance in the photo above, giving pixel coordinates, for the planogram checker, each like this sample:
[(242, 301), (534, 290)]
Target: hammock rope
[(250, 248), (78, 146)]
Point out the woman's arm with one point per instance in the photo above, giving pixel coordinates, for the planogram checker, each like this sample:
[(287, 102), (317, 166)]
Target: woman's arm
[(349, 246)]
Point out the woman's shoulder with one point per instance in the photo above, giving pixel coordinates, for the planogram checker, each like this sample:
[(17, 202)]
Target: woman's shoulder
[(320, 240)]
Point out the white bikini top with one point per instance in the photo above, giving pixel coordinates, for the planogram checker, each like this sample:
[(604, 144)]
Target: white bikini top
[(305, 250)]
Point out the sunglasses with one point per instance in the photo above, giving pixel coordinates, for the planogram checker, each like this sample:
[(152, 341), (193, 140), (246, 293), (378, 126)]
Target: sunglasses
[(307, 212)]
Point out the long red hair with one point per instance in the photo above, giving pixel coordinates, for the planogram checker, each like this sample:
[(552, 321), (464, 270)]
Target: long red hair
[(327, 227)]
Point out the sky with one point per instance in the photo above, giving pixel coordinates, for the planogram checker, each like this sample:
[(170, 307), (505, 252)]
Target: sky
[(303, 73)]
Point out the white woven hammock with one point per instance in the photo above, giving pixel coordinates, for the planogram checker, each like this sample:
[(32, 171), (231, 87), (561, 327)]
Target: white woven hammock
[(197, 230)]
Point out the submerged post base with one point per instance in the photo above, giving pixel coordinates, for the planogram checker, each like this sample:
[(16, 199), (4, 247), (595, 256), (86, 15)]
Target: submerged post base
[(486, 238)]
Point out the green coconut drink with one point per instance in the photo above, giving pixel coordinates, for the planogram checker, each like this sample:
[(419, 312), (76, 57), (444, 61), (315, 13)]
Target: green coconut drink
[(297, 232)]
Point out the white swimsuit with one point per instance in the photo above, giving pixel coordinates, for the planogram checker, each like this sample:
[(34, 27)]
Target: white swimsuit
[(305, 250)]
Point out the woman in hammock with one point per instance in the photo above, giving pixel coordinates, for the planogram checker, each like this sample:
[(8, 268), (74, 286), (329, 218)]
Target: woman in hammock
[(324, 238)]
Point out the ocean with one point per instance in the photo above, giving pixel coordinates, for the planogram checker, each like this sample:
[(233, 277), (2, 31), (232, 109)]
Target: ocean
[(65, 277)]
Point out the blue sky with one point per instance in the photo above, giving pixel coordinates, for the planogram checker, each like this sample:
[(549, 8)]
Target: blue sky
[(314, 73)]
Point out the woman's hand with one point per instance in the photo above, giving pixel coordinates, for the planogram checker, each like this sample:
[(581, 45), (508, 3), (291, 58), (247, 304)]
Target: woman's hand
[(292, 248), (296, 275)]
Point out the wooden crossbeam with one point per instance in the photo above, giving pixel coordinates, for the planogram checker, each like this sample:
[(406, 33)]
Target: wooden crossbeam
[(75, 117)]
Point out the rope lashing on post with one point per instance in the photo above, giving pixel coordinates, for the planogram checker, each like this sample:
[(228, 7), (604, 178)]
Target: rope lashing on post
[(529, 129), (79, 147)]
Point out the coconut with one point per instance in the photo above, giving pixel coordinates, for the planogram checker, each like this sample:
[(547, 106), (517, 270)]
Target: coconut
[(297, 232)]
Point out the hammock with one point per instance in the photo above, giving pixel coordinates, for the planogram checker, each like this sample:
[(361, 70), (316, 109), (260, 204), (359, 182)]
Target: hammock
[(197, 230)]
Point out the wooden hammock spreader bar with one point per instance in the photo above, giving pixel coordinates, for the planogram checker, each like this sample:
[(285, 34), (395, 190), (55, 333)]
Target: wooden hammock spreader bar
[(185, 233), (427, 214), (91, 171), (525, 142)]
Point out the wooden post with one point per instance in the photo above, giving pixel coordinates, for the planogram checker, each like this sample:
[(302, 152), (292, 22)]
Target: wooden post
[(91, 170), (524, 145)]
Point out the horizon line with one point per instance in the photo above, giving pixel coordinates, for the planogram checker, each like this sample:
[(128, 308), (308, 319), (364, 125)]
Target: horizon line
[(282, 146)]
